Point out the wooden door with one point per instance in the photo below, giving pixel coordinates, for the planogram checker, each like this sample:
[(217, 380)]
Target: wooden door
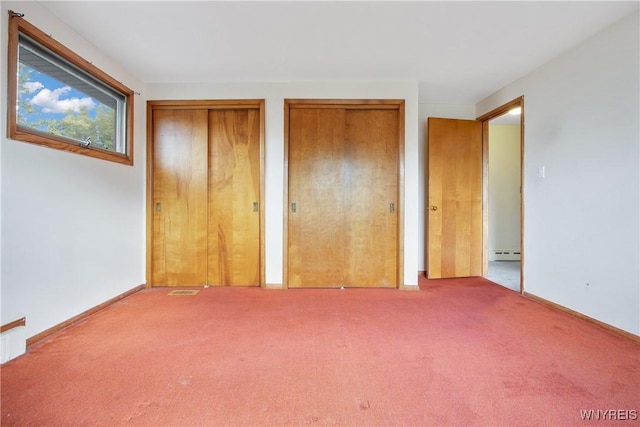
[(454, 208), (179, 248), (234, 193), (316, 213), (343, 197), (204, 195), (370, 193)]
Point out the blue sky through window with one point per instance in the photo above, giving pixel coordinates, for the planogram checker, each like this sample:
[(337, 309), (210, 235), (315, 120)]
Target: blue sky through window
[(51, 99)]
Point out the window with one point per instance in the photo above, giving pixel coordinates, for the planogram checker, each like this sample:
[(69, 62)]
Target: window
[(59, 100)]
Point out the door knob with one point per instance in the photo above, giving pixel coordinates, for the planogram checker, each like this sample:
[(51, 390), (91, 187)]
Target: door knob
[(433, 208)]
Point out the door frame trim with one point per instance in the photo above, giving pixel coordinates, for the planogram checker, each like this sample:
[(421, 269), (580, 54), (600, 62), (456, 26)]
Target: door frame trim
[(390, 104), (225, 104), (485, 118)]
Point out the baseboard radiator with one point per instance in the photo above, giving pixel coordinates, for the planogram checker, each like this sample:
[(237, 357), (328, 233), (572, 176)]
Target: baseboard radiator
[(504, 255)]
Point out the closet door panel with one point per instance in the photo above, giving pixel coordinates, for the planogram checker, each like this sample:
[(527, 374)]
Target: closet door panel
[(370, 198), (179, 198), (316, 211), (234, 194)]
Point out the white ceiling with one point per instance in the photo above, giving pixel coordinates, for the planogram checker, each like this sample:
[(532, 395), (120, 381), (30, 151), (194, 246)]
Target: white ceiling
[(458, 52)]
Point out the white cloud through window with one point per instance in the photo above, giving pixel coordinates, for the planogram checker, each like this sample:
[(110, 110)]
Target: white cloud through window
[(50, 102), (32, 86)]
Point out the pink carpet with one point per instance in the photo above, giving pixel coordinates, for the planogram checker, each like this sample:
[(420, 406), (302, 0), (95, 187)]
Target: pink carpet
[(459, 352)]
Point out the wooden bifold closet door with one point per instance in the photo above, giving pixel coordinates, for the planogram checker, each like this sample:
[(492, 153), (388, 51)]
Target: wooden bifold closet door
[(206, 197), (343, 196)]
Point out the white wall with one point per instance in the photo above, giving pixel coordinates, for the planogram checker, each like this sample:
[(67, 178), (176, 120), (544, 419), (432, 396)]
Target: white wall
[(504, 189), (581, 229), (72, 226), (444, 111), (274, 95)]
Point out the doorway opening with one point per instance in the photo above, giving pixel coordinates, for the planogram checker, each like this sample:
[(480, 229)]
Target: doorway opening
[(503, 146)]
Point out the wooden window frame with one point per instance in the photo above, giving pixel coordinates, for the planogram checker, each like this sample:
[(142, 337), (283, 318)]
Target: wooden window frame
[(18, 25)]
